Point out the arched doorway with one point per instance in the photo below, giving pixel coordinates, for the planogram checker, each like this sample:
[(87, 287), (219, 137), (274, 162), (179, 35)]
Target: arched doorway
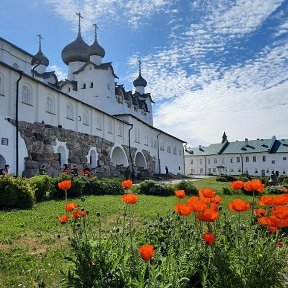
[(140, 161), (2, 161), (118, 157)]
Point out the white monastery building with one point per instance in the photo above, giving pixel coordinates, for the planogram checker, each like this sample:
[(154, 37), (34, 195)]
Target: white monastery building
[(86, 119), (258, 157)]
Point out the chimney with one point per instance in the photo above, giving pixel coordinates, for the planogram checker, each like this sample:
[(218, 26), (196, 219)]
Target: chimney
[(246, 141)]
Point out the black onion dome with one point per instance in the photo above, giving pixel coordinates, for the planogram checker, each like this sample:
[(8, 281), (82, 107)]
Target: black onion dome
[(140, 81), (40, 59), (96, 49), (75, 51)]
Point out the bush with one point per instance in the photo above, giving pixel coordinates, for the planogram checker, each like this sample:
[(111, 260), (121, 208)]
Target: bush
[(149, 187), (105, 186), (188, 186), (283, 180), (16, 193), (226, 178), (228, 191), (43, 184), (245, 177)]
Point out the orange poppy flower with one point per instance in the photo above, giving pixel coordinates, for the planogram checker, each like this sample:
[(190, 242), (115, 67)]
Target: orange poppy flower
[(127, 184), (64, 185), (216, 200), (196, 204), (183, 209), (180, 194), (260, 212), (239, 205), (281, 199), (277, 222), (264, 221), (129, 198), (207, 193), (271, 229), (79, 213), (63, 219), (209, 238), (146, 252), (70, 206), (266, 200), (236, 185), (254, 185), (280, 212), (208, 215)]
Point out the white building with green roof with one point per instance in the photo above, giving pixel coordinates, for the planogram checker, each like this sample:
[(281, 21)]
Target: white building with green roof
[(256, 157)]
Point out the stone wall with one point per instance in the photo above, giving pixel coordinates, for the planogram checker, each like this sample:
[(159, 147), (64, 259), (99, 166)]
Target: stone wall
[(40, 139)]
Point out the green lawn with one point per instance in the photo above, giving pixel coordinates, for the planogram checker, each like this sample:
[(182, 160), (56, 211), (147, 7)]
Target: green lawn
[(33, 244)]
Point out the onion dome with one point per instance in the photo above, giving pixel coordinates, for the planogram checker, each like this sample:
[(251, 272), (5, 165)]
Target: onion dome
[(95, 48), (75, 51), (140, 81), (40, 59)]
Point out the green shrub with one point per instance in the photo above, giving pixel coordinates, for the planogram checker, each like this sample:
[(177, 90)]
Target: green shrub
[(16, 193), (104, 186), (283, 180), (43, 184), (228, 191), (188, 186), (226, 178), (245, 177), (149, 187)]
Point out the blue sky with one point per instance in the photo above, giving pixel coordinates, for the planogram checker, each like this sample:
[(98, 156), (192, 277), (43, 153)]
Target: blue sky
[(211, 65)]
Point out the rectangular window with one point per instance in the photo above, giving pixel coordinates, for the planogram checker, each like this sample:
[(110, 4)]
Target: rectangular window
[(110, 126), (84, 86), (231, 160), (273, 161), (247, 159), (208, 161), (191, 161), (264, 158), (284, 158), (175, 150), (254, 158), (238, 159), (91, 85), (215, 160), (120, 130), (4, 141), (99, 123), (214, 170), (168, 149)]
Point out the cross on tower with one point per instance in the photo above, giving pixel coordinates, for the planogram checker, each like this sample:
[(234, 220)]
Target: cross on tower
[(139, 61), (40, 38), (80, 16), (96, 27)]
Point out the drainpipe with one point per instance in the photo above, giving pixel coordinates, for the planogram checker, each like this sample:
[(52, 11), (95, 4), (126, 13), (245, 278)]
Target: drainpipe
[(158, 153), (129, 138), (17, 122)]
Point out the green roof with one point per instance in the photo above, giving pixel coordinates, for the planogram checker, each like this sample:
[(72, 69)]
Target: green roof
[(242, 147)]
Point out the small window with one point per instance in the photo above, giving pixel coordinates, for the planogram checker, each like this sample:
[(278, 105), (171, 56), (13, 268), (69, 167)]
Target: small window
[(247, 159), (208, 161), (273, 161), (231, 160), (84, 86), (69, 111), (191, 161), (168, 149), (99, 123), (69, 89), (50, 105), (91, 85), (175, 150), (120, 130), (254, 158), (215, 160), (110, 126), (200, 161), (26, 95), (146, 140), (263, 158), (284, 158), (214, 170), (238, 159)]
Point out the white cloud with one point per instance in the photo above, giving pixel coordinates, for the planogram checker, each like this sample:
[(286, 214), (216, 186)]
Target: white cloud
[(61, 74)]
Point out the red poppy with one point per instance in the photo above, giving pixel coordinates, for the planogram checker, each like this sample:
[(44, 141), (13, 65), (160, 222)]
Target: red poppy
[(239, 205), (254, 185), (280, 212), (196, 204), (79, 213), (281, 199), (266, 200), (271, 229), (180, 194), (207, 193), (277, 222), (146, 252), (70, 206), (129, 198), (216, 200), (280, 244), (208, 215), (236, 185), (127, 184), (183, 209), (63, 219), (260, 212), (65, 185), (209, 238)]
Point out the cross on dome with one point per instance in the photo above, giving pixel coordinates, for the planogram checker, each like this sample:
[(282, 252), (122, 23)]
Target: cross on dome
[(79, 23)]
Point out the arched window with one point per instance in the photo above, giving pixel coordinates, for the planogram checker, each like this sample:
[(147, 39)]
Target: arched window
[(85, 118), (26, 95), (50, 105), (99, 122), (69, 111)]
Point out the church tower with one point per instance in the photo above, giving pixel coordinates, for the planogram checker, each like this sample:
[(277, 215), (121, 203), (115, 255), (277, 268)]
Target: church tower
[(39, 61), (95, 51), (140, 83)]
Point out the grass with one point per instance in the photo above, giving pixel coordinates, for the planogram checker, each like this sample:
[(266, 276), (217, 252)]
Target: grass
[(33, 244)]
